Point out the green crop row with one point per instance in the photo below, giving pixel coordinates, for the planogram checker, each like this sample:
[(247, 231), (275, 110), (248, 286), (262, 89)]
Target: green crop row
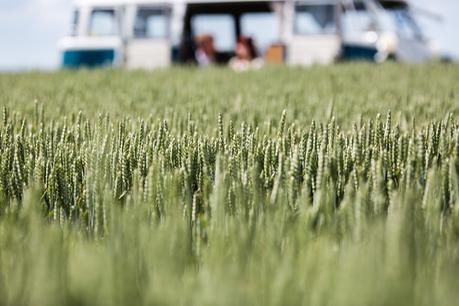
[(180, 207)]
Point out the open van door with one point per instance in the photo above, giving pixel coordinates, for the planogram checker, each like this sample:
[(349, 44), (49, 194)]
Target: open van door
[(412, 46), (149, 45), (315, 33)]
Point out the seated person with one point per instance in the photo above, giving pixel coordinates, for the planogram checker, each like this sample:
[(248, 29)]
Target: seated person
[(246, 55), (205, 51)]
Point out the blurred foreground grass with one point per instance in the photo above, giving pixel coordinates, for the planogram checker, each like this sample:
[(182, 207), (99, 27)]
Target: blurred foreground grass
[(191, 187)]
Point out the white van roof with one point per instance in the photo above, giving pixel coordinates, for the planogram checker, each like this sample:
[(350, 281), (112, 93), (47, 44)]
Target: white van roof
[(124, 2), (117, 2)]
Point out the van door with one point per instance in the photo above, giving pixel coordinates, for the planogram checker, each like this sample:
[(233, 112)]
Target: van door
[(412, 45), (149, 46), (315, 34)]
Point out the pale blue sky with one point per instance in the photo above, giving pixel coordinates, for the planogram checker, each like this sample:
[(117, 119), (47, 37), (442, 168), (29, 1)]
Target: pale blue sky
[(30, 29)]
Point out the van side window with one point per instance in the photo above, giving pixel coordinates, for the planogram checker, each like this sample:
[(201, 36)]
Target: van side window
[(75, 23), (220, 26), (151, 23), (103, 23), (262, 27), (314, 19)]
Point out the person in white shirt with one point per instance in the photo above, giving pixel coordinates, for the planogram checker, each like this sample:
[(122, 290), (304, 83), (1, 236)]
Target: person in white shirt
[(205, 51)]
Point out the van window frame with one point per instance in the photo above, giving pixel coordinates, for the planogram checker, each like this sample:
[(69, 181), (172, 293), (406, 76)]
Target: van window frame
[(262, 46), (163, 10), (116, 16), (227, 17)]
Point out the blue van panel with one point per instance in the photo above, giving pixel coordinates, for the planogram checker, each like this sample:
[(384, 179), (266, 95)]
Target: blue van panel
[(88, 58), (353, 52)]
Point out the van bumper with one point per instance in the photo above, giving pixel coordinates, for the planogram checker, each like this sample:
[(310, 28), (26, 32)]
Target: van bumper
[(88, 58), (358, 52), (87, 51)]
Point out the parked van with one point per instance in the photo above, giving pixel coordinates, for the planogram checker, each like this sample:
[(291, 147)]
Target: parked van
[(150, 34)]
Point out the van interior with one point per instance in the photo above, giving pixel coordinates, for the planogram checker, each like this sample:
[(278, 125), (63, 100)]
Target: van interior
[(226, 22)]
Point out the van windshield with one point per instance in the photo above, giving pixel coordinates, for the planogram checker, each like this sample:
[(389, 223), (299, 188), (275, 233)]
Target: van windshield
[(405, 24), (394, 17), (103, 22)]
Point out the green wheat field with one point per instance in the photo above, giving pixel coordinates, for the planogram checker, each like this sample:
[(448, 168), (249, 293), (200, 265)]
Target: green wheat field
[(330, 185)]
